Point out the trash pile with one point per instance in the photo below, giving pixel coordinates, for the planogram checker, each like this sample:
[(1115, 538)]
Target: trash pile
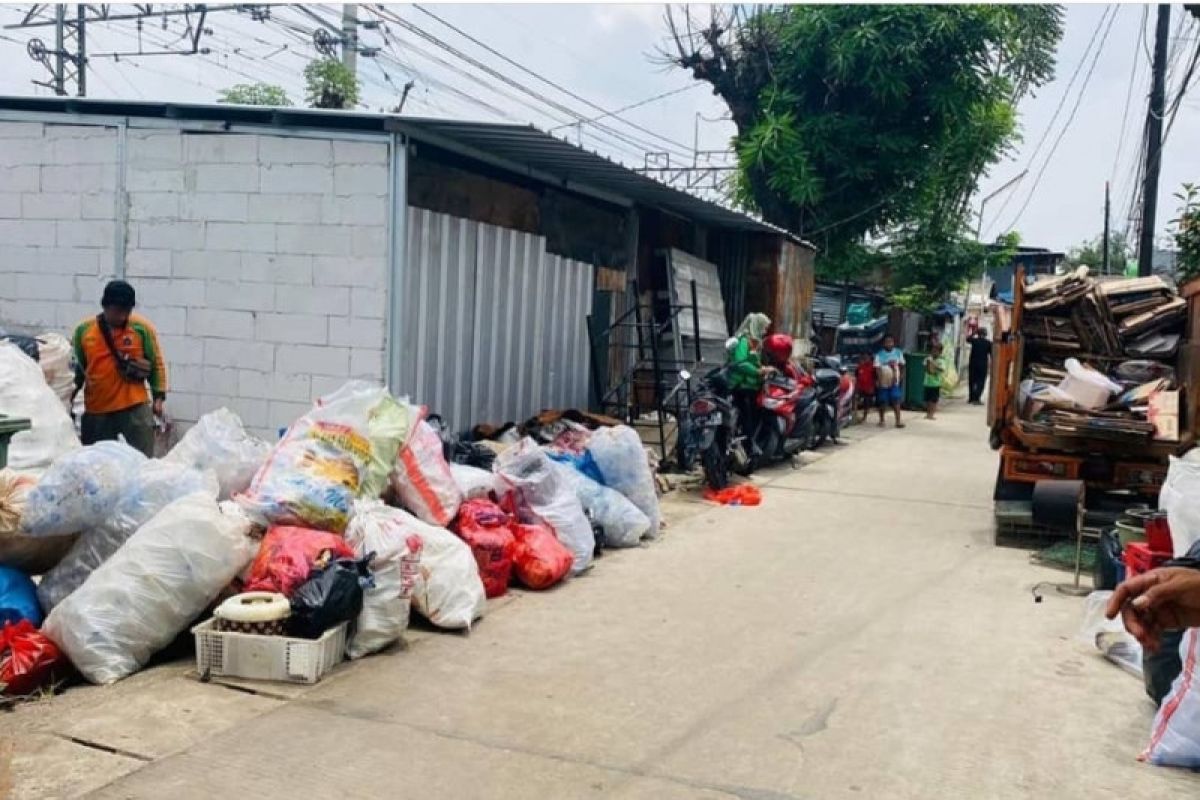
[(1098, 358), (366, 510)]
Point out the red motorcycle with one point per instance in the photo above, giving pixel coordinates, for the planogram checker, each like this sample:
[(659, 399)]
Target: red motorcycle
[(786, 406)]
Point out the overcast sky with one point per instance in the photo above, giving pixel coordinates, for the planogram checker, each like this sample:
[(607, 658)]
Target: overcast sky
[(604, 54)]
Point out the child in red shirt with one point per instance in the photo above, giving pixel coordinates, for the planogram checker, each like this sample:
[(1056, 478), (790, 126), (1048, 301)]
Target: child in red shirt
[(864, 383)]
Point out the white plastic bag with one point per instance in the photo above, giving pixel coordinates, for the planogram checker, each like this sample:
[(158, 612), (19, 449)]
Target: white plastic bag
[(80, 489), (54, 358), (1109, 635), (151, 588), (219, 442), (1175, 734), (474, 482), (422, 479), (1180, 498), (546, 497), (623, 523), (396, 568), (156, 485), (25, 393), (621, 458)]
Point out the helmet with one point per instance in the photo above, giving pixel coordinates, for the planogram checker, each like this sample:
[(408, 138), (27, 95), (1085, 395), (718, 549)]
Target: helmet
[(778, 347)]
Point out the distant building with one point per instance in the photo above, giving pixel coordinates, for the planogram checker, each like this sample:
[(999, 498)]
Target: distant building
[(1034, 260)]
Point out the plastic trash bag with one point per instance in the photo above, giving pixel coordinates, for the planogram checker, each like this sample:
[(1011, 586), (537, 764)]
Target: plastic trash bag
[(384, 420), (80, 489), (539, 559), (583, 462), (422, 479), (622, 461), (28, 659), (1109, 635), (155, 485), (1180, 498), (139, 600), (1175, 734), (545, 497), (334, 594), (33, 555), (25, 393), (623, 523), (474, 482), (486, 529), (55, 360), (288, 556), (395, 570), (218, 441), (18, 597)]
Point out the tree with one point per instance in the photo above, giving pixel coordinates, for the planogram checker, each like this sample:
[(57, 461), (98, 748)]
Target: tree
[(331, 84), (1187, 232), (857, 121), (255, 94), (1090, 254)]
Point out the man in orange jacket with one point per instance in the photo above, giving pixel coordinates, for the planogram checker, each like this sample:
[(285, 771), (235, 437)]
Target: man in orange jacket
[(116, 355)]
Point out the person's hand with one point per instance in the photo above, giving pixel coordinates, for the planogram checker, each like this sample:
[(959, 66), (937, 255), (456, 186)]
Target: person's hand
[(766, 372), (158, 407), (1160, 600)]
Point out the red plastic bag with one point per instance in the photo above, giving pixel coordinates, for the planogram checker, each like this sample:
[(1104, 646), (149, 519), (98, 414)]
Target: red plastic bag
[(486, 528), (540, 560), (28, 659), (741, 495), (287, 555)]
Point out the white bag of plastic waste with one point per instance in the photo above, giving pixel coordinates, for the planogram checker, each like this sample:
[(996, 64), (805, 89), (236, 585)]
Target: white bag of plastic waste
[(156, 484), (422, 478), (25, 393), (1180, 498), (448, 592), (80, 489), (621, 458), (546, 497), (623, 523), (135, 603), (474, 482), (396, 568), (218, 441), (54, 359), (1175, 734)]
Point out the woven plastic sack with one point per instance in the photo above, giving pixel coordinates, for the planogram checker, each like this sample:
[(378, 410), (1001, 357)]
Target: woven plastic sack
[(474, 482), (486, 529), (28, 660), (422, 479), (219, 442), (396, 568), (539, 559), (1175, 734), (1178, 497), (80, 488), (288, 555), (623, 523), (54, 358), (545, 497), (25, 393), (156, 485), (139, 600), (619, 454)]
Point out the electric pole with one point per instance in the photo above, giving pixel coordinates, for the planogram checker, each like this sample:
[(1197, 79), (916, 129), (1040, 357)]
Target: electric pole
[(350, 37), (1154, 124), (1106, 212), (67, 62)]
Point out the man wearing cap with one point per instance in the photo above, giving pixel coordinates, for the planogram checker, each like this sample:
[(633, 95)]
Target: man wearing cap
[(116, 356)]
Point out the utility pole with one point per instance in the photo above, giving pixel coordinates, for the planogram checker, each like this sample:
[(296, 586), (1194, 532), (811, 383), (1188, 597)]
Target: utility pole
[(81, 49), (350, 37), (1154, 124), (1106, 212)]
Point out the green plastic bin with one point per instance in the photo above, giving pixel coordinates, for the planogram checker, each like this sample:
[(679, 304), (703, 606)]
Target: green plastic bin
[(914, 380), (9, 427)]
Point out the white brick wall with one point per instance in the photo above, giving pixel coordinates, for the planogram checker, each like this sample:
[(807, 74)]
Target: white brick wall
[(261, 259)]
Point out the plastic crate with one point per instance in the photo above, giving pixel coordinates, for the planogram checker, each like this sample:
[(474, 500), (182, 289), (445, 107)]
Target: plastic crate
[(267, 658), (1139, 558)]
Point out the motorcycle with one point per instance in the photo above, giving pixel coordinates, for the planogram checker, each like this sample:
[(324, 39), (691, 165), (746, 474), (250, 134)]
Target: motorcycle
[(827, 419), (786, 405), (708, 430)]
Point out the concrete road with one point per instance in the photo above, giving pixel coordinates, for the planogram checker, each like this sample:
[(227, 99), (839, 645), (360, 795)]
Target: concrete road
[(856, 636)]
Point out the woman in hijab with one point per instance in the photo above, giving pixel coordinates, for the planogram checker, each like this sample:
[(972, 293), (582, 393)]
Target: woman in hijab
[(746, 369)]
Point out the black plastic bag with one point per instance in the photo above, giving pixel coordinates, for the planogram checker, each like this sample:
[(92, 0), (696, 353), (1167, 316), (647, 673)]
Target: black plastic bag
[(27, 344), (330, 596)]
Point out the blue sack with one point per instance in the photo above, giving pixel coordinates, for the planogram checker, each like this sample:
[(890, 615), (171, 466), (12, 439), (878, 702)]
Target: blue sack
[(18, 598), (583, 462)]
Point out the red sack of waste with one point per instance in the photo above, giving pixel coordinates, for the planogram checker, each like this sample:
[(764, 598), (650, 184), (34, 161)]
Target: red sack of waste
[(485, 527), (540, 560), (742, 495), (288, 555), (28, 659)]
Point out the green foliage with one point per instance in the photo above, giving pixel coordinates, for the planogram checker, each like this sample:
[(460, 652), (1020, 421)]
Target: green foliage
[(1187, 232), (916, 297), (330, 84), (255, 94), (860, 121), (1090, 254)]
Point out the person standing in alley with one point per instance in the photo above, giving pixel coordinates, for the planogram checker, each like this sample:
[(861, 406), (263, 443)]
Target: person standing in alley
[(934, 372), (889, 384), (977, 365), (116, 356), (746, 368)]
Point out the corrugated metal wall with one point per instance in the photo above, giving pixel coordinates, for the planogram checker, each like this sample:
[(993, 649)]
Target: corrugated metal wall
[(494, 325)]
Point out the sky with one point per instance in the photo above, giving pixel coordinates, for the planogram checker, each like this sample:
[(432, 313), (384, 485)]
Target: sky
[(605, 57)]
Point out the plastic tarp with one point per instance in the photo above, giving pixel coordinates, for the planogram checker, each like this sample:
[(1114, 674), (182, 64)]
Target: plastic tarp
[(546, 498), (218, 441), (25, 393), (135, 603)]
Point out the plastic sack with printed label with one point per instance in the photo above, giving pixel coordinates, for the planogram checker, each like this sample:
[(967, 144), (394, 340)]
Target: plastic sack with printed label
[(619, 454), (545, 497), (80, 488), (135, 603), (155, 485), (218, 441), (25, 393), (487, 529), (623, 523), (396, 568), (288, 555), (422, 479), (1175, 734)]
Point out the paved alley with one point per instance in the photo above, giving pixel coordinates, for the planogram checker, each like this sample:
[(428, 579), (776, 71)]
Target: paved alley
[(857, 635)]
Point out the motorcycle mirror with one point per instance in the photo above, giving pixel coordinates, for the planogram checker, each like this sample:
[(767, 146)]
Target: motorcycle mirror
[(685, 375)]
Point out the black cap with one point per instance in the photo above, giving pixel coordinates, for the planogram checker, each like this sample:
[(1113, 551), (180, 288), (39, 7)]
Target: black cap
[(119, 294)]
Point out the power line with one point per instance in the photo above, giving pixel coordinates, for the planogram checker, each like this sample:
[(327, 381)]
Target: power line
[(1134, 62), (632, 106)]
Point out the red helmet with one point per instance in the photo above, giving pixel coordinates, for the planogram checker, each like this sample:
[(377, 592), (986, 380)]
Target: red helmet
[(778, 347)]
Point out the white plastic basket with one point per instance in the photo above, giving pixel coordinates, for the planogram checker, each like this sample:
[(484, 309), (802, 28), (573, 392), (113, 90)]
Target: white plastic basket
[(267, 658)]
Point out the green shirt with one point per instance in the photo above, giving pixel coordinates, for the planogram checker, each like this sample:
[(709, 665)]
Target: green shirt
[(933, 371), (744, 373)]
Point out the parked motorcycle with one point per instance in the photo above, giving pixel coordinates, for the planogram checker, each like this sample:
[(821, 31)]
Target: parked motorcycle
[(708, 430), (786, 406), (827, 422)]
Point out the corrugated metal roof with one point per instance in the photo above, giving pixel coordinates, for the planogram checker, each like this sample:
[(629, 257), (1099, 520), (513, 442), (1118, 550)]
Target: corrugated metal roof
[(521, 148)]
